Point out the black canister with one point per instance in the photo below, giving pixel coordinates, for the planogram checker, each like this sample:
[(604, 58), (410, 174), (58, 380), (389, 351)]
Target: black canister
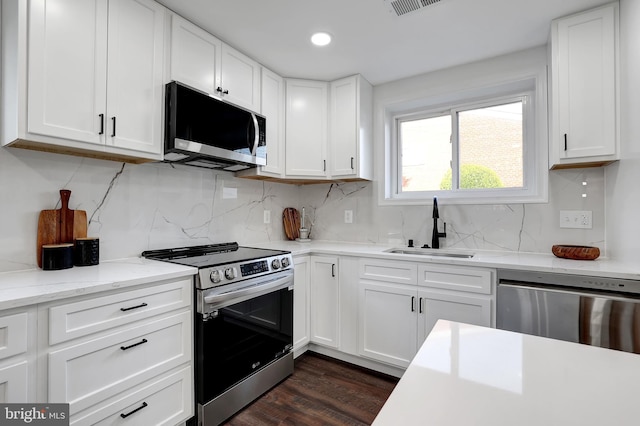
[(57, 256), (87, 251)]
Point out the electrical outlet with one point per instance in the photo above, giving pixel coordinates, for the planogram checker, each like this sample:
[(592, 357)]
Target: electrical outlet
[(348, 216), (576, 219), (267, 216)]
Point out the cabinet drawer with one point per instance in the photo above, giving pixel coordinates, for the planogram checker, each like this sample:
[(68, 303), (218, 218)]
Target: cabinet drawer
[(87, 373), (13, 334), (458, 278), (14, 383), (166, 401), (388, 271), (77, 319)]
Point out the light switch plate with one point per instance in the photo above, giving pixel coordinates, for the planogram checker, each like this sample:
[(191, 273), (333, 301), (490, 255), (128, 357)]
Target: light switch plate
[(267, 216), (576, 219)]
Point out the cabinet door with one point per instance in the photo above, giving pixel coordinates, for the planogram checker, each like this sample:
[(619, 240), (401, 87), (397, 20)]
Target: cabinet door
[(388, 322), (584, 85), (324, 301), (14, 383), (135, 103), (67, 81), (301, 328), (195, 56), (435, 305), (240, 78), (306, 128), (272, 107), (344, 127)]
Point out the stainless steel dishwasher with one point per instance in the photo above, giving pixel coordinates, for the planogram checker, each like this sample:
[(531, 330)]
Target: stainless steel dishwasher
[(595, 311)]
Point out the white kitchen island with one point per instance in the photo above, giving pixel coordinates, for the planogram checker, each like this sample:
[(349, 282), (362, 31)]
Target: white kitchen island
[(468, 375)]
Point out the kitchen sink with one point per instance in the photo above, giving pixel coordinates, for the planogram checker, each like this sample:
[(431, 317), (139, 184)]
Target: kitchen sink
[(430, 252)]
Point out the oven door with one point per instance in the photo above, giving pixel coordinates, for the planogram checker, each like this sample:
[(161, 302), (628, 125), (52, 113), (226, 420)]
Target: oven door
[(241, 332)]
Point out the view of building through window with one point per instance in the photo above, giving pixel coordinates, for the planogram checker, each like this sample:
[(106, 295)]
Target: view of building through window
[(490, 149)]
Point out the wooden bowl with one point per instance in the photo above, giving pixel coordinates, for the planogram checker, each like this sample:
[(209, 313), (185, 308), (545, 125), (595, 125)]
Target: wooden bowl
[(576, 252)]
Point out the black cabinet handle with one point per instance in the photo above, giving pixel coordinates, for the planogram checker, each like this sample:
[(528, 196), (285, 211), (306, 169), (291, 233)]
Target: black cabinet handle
[(413, 303), (420, 305), (113, 120), (142, 305), (101, 124), (124, 416), (324, 165), (124, 348), (565, 141), (333, 269), (352, 163), (218, 89), (226, 92)]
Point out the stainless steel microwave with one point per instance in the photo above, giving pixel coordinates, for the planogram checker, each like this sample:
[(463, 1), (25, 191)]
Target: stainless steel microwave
[(203, 131)]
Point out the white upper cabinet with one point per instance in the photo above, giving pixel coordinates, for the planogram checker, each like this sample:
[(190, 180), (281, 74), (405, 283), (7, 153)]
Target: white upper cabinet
[(200, 60), (240, 79), (68, 70), (135, 77), (585, 94), (350, 140), (272, 107), (329, 129), (88, 77), (195, 56), (306, 129)]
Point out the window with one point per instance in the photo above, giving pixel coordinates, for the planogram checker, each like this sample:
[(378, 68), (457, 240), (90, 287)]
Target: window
[(482, 150)]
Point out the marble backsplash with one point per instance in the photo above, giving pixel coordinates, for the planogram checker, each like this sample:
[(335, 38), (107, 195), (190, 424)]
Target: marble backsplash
[(133, 208)]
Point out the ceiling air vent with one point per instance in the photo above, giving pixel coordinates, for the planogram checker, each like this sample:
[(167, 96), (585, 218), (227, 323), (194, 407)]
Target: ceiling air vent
[(402, 7)]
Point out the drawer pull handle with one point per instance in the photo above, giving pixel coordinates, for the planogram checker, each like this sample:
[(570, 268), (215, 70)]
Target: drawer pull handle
[(142, 305), (124, 348), (124, 416)]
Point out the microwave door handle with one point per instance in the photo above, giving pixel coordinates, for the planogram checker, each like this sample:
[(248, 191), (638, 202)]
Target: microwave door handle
[(256, 134)]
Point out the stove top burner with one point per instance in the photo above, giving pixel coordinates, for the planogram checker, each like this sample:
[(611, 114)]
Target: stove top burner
[(221, 264)]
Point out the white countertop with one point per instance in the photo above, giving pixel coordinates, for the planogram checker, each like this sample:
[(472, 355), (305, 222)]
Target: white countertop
[(470, 375), (33, 286), (21, 288), (537, 262)]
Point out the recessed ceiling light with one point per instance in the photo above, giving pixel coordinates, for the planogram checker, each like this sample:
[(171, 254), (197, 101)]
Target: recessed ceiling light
[(321, 39)]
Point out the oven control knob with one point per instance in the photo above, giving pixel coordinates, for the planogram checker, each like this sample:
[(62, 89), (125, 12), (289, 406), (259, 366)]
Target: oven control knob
[(285, 262), (215, 276), (275, 264), (230, 273)]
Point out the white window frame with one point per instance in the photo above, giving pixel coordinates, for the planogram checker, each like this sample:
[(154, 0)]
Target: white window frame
[(531, 90)]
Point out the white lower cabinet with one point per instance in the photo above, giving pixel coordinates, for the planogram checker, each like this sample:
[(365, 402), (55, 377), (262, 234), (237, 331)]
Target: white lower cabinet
[(325, 292), (301, 329), (388, 322), (17, 358), (120, 355), (394, 319)]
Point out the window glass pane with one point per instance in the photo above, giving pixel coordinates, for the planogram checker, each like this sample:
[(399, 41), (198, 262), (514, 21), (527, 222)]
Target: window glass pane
[(491, 147), (425, 152)]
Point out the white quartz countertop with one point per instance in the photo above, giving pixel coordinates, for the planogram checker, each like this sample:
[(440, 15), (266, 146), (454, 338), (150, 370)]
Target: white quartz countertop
[(470, 375), (536, 262), (29, 287)]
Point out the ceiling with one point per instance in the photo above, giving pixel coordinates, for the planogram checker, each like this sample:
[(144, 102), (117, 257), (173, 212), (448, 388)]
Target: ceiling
[(370, 39)]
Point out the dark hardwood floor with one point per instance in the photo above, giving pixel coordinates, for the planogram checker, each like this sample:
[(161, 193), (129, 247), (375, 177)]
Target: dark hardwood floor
[(321, 391)]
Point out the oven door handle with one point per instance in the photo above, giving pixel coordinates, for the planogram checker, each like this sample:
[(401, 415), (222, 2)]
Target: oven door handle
[(250, 292)]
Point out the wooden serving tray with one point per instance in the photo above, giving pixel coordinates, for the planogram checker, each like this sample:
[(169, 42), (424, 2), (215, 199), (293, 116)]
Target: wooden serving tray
[(576, 252)]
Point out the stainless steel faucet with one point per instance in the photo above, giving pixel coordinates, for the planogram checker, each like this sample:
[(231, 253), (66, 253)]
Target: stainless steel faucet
[(435, 238)]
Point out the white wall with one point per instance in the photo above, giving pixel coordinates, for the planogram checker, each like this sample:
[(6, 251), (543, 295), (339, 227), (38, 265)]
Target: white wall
[(623, 178), (513, 227), (149, 206), (135, 207)]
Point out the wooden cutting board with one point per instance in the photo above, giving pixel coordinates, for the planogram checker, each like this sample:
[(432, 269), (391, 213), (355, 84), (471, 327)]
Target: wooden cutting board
[(60, 226), (291, 223)]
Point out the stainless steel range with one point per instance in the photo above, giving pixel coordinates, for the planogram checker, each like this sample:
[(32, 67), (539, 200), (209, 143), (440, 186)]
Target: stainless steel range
[(243, 323)]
